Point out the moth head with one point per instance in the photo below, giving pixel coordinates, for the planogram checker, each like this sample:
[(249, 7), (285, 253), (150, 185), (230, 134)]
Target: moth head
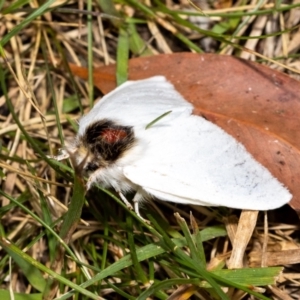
[(102, 144)]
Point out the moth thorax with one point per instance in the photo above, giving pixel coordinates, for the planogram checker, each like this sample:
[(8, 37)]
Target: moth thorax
[(107, 141)]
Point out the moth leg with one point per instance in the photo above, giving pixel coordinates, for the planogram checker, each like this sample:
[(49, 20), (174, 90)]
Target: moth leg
[(92, 179), (138, 197), (89, 183), (123, 198)]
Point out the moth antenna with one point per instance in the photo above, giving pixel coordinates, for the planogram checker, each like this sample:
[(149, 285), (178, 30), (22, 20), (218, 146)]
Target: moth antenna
[(62, 155), (77, 168)]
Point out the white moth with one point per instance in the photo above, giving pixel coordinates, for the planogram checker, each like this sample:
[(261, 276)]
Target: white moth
[(181, 158)]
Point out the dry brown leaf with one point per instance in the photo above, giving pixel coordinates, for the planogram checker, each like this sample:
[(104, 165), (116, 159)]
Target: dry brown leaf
[(275, 258)]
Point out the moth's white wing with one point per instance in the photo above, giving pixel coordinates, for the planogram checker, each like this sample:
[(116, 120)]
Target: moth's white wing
[(193, 161), (137, 103)]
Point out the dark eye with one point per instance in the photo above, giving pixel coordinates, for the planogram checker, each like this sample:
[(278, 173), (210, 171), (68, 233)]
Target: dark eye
[(91, 167)]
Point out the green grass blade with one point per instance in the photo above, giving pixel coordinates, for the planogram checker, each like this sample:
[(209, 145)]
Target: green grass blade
[(133, 253), (90, 54), (12, 248), (198, 259), (32, 274), (166, 284), (72, 217), (14, 6), (37, 13), (5, 295), (122, 56)]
